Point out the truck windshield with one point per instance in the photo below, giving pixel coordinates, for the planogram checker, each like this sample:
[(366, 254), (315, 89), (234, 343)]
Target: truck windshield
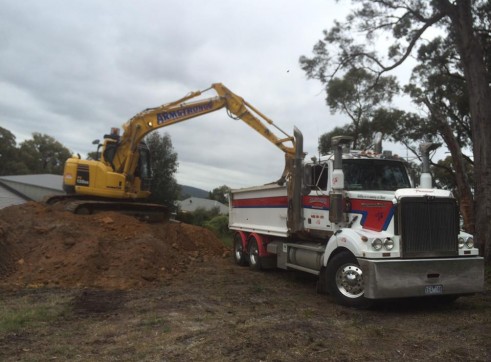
[(363, 174)]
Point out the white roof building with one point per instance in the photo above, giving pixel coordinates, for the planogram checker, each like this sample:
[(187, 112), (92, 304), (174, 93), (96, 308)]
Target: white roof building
[(16, 190), (193, 203)]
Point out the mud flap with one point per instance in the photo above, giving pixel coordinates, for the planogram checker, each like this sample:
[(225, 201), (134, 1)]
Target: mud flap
[(321, 287)]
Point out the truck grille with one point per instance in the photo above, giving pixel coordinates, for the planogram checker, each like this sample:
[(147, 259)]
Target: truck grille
[(429, 227)]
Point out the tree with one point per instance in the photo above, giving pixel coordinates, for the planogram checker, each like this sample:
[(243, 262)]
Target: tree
[(165, 189), (444, 174), (388, 121), (325, 145), (43, 154), (220, 194), (467, 24), (358, 96), (9, 155), (439, 85)]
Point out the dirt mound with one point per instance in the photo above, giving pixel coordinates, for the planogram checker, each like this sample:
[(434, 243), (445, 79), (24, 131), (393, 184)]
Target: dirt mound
[(42, 245)]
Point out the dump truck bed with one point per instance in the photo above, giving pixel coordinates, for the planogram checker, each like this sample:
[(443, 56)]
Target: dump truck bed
[(260, 209)]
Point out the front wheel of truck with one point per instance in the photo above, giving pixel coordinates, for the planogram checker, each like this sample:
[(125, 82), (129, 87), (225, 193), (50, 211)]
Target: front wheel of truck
[(344, 279)]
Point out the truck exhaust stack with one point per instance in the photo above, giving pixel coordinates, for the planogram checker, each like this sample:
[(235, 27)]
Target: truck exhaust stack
[(426, 181), (337, 179)]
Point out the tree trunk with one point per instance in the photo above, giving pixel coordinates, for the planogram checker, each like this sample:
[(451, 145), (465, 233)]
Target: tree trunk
[(466, 200), (476, 75)]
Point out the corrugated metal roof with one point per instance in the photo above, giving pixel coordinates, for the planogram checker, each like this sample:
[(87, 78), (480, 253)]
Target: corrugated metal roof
[(48, 181)]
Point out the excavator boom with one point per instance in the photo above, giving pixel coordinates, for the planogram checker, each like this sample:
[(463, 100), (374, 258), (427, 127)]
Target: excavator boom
[(181, 110)]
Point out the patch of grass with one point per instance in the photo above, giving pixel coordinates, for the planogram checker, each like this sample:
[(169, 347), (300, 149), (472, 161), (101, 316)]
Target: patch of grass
[(23, 316)]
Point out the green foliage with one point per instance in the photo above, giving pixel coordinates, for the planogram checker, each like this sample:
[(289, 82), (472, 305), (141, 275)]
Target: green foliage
[(444, 174), (165, 189), (9, 155), (218, 224), (362, 97), (325, 140), (25, 315), (41, 154), (199, 217), (437, 77), (220, 194), (210, 219)]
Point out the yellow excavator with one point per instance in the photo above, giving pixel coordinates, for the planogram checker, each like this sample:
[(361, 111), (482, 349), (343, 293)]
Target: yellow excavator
[(120, 179)]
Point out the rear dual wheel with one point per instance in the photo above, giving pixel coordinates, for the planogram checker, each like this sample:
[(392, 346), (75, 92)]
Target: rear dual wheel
[(239, 254), (254, 260)]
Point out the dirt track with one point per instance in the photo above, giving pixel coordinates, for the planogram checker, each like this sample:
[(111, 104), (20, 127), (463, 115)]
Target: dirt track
[(214, 310)]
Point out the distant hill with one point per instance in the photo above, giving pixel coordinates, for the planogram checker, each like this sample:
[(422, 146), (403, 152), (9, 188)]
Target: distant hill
[(189, 191)]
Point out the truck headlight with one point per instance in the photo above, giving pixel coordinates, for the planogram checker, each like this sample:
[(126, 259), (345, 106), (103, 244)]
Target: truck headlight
[(377, 244), (388, 244), (469, 242), (461, 242)]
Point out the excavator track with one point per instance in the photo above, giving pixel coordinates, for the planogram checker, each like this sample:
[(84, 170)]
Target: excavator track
[(85, 206)]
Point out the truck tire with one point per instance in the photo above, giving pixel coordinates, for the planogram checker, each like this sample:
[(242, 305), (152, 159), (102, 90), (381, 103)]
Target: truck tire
[(254, 259), (344, 279), (239, 255)]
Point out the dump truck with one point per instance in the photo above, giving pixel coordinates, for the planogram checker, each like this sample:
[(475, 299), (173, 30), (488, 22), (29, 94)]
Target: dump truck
[(356, 220)]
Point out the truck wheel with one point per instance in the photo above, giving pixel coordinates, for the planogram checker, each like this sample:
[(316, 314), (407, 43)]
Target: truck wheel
[(239, 255), (254, 261), (345, 281)]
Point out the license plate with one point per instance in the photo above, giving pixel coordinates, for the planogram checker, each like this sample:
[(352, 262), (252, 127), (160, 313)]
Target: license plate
[(434, 289)]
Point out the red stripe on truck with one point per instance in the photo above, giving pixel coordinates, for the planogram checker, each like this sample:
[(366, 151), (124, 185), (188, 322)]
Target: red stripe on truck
[(261, 202)]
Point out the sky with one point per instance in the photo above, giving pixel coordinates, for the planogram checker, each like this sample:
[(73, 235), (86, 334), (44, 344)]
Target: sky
[(74, 69)]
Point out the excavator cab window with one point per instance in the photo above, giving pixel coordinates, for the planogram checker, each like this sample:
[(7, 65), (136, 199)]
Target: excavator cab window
[(144, 169)]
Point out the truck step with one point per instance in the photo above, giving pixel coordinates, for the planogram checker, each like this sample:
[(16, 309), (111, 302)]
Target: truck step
[(301, 268)]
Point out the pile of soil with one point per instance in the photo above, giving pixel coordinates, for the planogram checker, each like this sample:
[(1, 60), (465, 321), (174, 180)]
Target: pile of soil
[(46, 246)]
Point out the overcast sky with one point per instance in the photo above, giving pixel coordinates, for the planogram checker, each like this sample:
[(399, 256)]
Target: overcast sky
[(74, 69)]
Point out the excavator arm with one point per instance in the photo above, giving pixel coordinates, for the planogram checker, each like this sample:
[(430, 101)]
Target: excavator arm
[(125, 157)]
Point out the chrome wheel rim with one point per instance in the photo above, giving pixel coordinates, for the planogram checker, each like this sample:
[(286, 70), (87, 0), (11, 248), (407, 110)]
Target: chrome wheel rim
[(253, 252), (349, 281), (238, 250)]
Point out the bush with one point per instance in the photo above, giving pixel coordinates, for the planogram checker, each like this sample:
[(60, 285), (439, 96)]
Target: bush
[(199, 217), (218, 224), (210, 219)]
